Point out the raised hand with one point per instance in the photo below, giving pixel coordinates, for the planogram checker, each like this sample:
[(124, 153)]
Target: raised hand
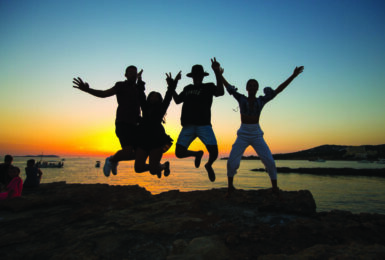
[(298, 70), (178, 76), (173, 82), (169, 79), (139, 75), (215, 65), (79, 84)]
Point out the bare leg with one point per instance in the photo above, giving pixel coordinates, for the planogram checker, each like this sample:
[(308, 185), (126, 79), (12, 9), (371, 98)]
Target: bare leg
[(274, 186), (213, 155), (127, 153), (230, 188), (183, 152), (140, 161), (154, 162)]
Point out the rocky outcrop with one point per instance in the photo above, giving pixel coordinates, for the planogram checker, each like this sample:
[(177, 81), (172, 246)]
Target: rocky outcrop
[(97, 221)]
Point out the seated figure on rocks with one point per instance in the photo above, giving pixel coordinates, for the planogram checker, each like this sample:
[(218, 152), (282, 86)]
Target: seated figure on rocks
[(15, 186), (33, 175)]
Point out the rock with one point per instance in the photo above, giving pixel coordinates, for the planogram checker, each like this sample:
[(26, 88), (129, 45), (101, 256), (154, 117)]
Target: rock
[(98, 221), (205, 248)]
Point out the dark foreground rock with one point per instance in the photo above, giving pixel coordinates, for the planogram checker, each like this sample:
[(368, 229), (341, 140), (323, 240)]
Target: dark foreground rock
[(74, 221)]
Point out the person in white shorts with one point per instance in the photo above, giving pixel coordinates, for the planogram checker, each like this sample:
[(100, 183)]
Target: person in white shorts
[(250, 132)]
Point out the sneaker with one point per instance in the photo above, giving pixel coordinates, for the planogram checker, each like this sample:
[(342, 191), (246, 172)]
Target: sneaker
[(107, 167), (210, 172), (167, 169), (114, 166)]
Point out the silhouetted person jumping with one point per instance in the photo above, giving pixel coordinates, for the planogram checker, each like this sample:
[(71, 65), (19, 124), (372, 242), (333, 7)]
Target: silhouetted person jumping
[(197, 99), (127, 114), (153, 140), (250, 133)]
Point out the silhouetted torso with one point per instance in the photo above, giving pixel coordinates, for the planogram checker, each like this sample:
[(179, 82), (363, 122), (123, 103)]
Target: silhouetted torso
[(197, 101), (128, 110)]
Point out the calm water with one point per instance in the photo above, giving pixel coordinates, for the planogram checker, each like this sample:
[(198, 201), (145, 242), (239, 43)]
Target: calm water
[(356, 194)]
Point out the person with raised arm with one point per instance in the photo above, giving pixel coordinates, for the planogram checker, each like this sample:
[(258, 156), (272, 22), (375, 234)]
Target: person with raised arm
[(250, 132), (197, 99), (152, 138), (127, 114)]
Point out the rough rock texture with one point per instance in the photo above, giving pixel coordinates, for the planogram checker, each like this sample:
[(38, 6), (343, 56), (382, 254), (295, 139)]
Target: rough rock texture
[(97, 221)]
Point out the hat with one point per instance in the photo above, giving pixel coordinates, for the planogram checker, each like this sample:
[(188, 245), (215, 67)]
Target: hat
[(197, 70)]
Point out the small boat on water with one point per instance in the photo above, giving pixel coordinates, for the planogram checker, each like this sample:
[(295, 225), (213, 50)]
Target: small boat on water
[(97, 164), (50, 164)]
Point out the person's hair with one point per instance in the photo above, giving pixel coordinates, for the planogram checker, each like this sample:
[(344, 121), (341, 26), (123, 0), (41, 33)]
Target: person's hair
[(131, 67), (8, 158), (154, 93), (31, 162), (252, 80), (13, 171)]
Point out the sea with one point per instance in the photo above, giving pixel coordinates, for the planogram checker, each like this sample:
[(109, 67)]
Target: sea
[(351, 193)]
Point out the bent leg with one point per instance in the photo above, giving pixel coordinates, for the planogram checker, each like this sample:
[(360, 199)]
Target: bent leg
[(185, 138), (127, 153), (140, 161), (213, 155), (155, 156)]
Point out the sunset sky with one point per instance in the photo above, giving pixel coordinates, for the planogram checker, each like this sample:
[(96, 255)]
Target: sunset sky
[(339, 98)]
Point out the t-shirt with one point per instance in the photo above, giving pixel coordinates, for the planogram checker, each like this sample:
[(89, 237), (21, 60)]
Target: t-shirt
[(256, 108), (127, 95), (197, 101)]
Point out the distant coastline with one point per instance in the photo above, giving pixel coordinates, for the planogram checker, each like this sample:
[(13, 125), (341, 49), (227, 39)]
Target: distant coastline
[(48, 155), (331, 152)]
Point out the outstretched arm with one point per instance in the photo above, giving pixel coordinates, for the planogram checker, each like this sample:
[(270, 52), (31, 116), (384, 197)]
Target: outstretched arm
[(83, 86), (230, 88), (297, 71), (217, 70)]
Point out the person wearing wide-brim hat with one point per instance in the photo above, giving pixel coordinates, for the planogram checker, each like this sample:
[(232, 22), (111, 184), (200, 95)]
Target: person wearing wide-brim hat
[(197, 71), (197, 99)]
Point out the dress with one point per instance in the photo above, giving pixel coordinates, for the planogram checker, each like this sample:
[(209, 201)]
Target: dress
[(151, 133)]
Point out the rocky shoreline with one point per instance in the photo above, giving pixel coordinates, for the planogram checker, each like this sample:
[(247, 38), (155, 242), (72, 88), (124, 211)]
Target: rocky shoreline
[(98, 221)]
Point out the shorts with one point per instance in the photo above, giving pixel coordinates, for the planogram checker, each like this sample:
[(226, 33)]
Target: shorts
[(190, 132), (127, 133)]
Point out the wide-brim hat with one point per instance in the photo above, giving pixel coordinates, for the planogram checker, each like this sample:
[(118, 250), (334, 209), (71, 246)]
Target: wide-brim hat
[(197, 70)]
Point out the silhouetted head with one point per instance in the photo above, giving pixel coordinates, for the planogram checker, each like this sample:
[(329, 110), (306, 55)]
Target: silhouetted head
[(8, 159), (30, 162), (154, 98), (197, 74), (131, 73), (13, 171), (252, 87)]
